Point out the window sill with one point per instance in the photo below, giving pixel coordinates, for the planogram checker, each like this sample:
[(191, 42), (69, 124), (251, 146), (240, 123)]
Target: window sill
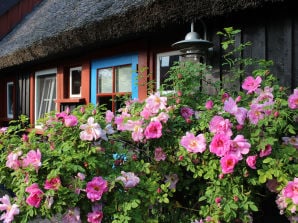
[(36, 130), (70, 100)]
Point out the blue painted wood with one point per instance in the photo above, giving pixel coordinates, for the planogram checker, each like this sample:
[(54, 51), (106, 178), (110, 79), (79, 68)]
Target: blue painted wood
[(115, 61)]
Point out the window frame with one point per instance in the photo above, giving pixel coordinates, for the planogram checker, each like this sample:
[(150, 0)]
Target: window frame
[(8, 100), (119, 60), (114, 92), (158, 65), (37, 106), (71, 95)]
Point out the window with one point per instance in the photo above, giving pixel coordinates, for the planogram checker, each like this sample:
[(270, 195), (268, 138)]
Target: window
[(75, 82), (113, 82), (9, 100), (164, 61), (45, 92), (113, 77)]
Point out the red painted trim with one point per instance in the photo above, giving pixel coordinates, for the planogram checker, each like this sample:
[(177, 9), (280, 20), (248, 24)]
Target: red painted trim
[(86, 73), (59, 82)]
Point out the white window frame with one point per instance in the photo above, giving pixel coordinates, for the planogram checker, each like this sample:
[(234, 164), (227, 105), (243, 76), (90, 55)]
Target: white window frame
[(158, 65), (38, 106), (71, 95), (9, 101)]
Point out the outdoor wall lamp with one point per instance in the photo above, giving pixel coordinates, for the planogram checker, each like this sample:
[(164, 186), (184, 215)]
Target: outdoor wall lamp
[(193, 47)]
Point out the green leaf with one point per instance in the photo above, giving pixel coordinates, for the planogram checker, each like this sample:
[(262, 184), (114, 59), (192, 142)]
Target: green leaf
[(253, 207)]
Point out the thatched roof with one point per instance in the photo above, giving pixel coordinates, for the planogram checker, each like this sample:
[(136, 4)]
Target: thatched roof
[(57, 26)]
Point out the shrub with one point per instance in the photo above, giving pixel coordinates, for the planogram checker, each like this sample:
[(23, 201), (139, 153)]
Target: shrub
[(187, 156)]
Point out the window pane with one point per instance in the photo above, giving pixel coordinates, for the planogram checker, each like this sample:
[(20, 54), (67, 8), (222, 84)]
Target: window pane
[(10, 100), (105, 80), (123, 79), (46, 94), (75, 82), (165, 63)]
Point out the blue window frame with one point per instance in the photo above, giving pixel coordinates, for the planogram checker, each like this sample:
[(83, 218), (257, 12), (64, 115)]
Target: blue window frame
[(113, 76)]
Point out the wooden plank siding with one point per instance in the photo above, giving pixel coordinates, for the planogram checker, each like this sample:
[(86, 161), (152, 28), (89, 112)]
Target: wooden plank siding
[(275, 39), (12, 17)]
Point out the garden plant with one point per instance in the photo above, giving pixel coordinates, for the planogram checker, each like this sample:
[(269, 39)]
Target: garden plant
[(185, 156)]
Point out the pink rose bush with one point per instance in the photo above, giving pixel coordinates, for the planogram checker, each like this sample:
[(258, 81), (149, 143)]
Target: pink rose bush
[(185, 156)]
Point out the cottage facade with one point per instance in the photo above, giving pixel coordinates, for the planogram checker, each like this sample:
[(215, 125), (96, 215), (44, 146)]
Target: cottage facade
[(67, 53)]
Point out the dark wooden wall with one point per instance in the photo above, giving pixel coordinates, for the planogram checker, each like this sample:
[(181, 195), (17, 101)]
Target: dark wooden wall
[(274, 36)]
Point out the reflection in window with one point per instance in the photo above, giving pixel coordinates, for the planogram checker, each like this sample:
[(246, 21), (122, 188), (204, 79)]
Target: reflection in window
[(164, 62), (123, 77), (75, 81), (9, 100), (45, 92), (105, 80)]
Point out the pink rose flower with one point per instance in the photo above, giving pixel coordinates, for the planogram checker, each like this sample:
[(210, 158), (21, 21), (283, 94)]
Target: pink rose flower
[(154, 103), (109, 116), (220, 144), (209, 105), (228, 163), (230, 106), (255, 113), (241, 115), (33, 159), (217, 200), (266, 151), (250, 84), (119, 121), (136, 128), (129, 179), (251, 161), (225, 96), (91, 131), (153, 130), (146, 113), (35, 195), (96, 215), (8, 210), (194, 144), (70, 121), (291, 190), (162, 117), (25, 138), (239, 146), (220, 125), (13, 161), (186, 112), (81, 176), (159, 154), (95, 188), (72, 216), (293, 100), (52, 184)]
